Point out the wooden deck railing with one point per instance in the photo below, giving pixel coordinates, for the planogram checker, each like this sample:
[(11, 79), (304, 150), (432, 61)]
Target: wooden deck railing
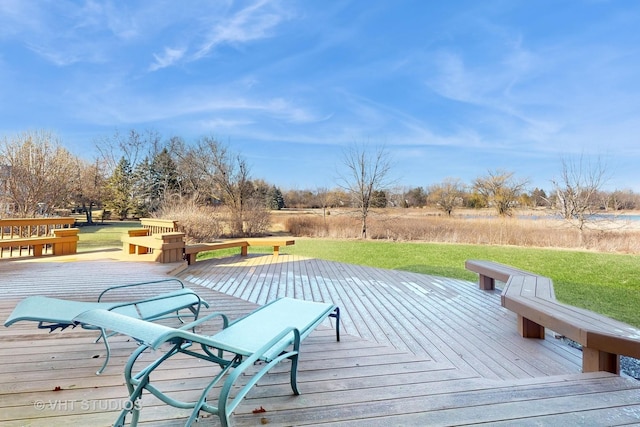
[(35, 235), (31, 227), (163, 239), (159, 226)]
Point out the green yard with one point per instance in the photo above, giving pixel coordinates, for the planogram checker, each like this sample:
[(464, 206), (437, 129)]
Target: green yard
[(604, 283)]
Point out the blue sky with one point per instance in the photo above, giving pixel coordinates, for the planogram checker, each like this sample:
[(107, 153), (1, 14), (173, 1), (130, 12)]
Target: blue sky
[(451, 88)]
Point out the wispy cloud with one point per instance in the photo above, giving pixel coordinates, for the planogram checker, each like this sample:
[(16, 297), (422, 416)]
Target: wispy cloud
[(169, 57), (61, 32), (253, 22), (502, 80), (229, 27)]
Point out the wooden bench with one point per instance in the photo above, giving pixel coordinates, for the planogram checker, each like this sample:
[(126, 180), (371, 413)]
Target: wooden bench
[(489, 272), (35, 234), (159, 226), (151, 226), (532, 298), (162, 238), (191, 251), (64, 242), (164, 248)]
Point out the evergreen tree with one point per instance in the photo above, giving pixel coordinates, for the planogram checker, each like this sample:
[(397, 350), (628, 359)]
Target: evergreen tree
[(164, 176), (142, 183), (276, 200), (120, 186), (378, 199), (155, 180)]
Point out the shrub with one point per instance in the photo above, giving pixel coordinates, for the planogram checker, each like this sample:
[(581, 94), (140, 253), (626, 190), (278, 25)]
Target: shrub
[(199, 223), (202, 223), (482, 230)]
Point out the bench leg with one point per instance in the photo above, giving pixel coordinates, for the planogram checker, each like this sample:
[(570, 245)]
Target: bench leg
[(594, 360), (276, 250), (529, 329), (486, 283), (37, 250), (130, 248), (243, 250)]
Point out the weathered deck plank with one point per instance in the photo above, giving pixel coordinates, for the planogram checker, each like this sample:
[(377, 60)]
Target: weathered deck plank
[(405, 310), (416, 350)]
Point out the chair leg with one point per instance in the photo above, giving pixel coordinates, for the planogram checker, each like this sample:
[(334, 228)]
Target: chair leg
[(103, 335), (294, 374), (336, 315), (136, 386), (203, 397)]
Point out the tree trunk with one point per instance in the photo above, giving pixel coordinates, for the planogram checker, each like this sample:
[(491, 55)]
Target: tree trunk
[(88, 213)]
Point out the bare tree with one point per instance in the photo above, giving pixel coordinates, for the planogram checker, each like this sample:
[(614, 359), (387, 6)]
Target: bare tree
[(132, 154), (193, 174), (133, 146), (577, 188), (219, 173), (623, 200), (40, 173), (447, 195), (501, 190), (90, 187), (367, 172)]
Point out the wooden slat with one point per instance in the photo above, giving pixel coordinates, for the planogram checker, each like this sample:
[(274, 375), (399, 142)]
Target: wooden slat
[(396, 308), (416, 350)]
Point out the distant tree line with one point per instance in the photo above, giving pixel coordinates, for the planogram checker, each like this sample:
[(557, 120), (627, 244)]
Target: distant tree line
[(139, 174), (452, 194), (135, 175)]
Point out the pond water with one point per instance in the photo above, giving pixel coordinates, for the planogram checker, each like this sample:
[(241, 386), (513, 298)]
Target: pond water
[(594, 217)]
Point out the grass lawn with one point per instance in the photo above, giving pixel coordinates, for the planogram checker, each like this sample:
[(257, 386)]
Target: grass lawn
[(601, 282), (103, 235), (604, 283)]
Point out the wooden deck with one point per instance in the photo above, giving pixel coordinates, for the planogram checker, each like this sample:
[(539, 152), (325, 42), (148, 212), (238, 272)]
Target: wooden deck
[(416, 350)]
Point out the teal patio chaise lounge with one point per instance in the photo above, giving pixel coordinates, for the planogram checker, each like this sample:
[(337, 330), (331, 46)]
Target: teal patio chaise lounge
[(55, 313), (270, 334)]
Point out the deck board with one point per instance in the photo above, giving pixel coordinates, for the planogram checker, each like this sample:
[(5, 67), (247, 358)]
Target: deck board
[(415, 350), (421, 314)]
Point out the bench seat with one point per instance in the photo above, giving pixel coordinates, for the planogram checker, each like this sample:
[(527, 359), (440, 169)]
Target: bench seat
[(166, 247), (191, 251), (64, 242), (532, 298), (170, 246), (490, 271)]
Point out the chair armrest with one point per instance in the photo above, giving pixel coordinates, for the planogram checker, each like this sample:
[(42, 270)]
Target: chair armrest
[(146, 310), (130, 285), (225, 321)]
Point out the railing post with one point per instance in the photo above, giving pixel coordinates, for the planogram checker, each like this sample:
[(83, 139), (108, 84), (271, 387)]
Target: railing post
[(68, 243)]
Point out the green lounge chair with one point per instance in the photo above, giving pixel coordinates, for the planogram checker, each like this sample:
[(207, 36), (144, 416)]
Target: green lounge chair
[(55, 313), (270, 334)]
